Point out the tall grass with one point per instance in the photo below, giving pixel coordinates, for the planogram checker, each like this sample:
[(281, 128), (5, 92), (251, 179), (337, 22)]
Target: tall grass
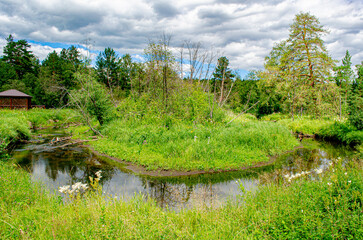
[(329, 207), (194, 147), (16, 124)]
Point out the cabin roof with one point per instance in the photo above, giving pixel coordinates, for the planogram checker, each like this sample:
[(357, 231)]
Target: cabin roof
[(14, 93)]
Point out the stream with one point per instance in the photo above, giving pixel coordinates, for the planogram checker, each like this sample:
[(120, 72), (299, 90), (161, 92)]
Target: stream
[(55, 167)]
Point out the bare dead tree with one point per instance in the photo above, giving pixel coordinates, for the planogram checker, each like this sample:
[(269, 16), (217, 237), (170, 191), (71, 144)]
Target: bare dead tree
[(82, 109)]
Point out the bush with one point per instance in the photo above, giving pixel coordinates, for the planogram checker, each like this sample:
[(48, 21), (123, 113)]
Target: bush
[(343, 132)]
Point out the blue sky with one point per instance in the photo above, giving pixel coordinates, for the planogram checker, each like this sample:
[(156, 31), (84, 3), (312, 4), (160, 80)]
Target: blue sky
[(243, 31)]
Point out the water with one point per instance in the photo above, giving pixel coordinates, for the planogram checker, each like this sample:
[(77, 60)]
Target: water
[(55, 167)]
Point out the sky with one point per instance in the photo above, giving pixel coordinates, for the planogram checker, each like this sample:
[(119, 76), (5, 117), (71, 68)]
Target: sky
[(242, 30)]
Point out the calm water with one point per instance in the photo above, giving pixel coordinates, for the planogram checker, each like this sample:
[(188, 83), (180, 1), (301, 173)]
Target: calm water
[(55, 167)]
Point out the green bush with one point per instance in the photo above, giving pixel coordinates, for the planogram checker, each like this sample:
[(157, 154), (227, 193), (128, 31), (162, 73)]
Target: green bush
[(343, 132)]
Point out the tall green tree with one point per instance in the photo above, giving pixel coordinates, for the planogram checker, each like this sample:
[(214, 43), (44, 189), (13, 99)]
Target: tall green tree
[(343, 78), (18, 55), (7, 74), (355, 100), (108, 68), (300, 67), (222, 77)]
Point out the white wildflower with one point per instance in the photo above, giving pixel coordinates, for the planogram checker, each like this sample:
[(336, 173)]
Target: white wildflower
[(329, 183), (64, 189), (345, 174), (318, 171), (98, 174), (349, 181), (77, 185)]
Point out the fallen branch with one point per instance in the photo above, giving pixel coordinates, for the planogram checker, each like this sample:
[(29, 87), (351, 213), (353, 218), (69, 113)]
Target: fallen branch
[(243, 112), (76, 142), (58, 139)]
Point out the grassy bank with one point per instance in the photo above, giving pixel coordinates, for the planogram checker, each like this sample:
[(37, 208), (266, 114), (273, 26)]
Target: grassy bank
[(328, 208), (326, 128), (194, 147), (15, 125)]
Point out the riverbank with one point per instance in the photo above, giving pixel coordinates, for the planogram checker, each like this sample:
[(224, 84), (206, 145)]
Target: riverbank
[(326, 206), (327, 128), (16, 125), (198, 147)]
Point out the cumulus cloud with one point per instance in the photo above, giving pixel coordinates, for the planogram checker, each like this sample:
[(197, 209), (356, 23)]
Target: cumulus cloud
[(244, 31)]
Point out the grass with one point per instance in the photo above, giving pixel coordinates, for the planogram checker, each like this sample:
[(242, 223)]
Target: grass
[(329, 207), (15, 125), (327, 128), (194, 147), (306, 125)]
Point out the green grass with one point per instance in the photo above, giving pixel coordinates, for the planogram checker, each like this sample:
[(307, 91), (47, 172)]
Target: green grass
[(327, 208), (329, 128), (194, 147), (306, 125), (16, 124)]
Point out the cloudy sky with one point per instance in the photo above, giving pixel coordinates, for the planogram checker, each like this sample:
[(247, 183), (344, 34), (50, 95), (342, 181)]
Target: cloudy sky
[(243, 30)]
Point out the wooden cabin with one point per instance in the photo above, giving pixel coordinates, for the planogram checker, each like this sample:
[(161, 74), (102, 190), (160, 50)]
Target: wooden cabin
[(14, 99)]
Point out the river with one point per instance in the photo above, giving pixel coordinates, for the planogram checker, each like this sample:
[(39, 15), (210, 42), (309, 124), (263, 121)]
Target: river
[(54, 167)]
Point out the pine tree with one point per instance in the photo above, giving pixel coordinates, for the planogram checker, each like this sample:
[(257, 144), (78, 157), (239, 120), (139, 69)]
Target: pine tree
[(300, 67)]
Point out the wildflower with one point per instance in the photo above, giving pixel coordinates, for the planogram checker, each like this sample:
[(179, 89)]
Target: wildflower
[(345, 174), (286, 176), (64, 189), (349, 181), (318, 171), (329, 183), (98, 174)]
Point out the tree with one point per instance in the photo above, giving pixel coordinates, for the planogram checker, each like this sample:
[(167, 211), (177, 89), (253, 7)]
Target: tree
[(127, 72), (160, 67), (343, 79), (108, 67), (7, 74), (300, 67), (92, 100), (221, 77), (57, 76), (355, 100), (18, 55)]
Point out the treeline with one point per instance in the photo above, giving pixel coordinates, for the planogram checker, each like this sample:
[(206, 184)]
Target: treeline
[(299, 77)]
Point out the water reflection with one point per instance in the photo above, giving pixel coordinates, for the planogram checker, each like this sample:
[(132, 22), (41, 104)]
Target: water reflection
[(56, 167)]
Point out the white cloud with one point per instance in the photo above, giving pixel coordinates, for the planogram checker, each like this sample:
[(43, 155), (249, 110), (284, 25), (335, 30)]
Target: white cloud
[(244, 31)]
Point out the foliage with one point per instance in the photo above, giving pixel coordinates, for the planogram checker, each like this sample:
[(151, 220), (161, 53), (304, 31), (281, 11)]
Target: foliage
[(222, 77), (299, 69), (18, 55), (355, 100), (108, 67), (342, 132), (92, 99), (247, 92)]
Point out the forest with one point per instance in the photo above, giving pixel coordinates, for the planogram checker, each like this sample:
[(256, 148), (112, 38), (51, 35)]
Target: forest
[(185, 111)]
